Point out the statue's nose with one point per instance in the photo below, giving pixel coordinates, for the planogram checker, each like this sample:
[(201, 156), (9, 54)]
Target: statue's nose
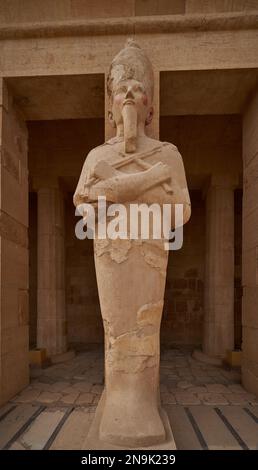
[(129, 93)]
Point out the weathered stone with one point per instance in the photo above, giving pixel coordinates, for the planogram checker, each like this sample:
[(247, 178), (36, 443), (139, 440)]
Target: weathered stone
[(187, 398), (27, 396), (48, 397), (83, 386), (236, 398), (59, 386), (184, 384), (74, 430), (168, 399), (70, 398), (57, 148), (151, 172), (196, 389), (216, 388), (235, 388), (214, 399), (41, 429), (85, 399)]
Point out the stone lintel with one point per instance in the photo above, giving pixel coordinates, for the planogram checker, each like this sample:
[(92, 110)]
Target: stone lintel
[(160, 24)]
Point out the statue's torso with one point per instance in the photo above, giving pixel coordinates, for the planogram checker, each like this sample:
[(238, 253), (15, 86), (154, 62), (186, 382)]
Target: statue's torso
[(150, 152)]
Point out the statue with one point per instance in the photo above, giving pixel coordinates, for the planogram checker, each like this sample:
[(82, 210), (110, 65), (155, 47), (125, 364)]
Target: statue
[(131, 274)]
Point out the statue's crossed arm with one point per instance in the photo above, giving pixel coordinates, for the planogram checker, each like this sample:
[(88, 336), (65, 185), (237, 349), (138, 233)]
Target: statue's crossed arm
[(104, 170)]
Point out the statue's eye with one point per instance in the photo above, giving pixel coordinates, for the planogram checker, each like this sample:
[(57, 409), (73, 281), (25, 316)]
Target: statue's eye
[(138, 88), (121, 90)]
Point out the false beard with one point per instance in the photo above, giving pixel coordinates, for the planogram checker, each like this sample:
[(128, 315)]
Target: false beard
[(129, 114)]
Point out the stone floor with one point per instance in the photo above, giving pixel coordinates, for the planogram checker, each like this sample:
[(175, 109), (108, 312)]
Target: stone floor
[(206, 405)]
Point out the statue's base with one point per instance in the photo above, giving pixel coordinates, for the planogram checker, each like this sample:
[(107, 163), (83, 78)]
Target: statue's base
[(93, 442)]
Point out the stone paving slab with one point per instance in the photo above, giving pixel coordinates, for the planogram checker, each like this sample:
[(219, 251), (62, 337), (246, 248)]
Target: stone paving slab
[(39, 432), (73, 433), (85, 399), (194, 427), (49, 397), (213, 399), (184, 434), (254, 410), (14, 421), (6, 409), (27, 396), (243, 424), (216, 435), (187, 398)]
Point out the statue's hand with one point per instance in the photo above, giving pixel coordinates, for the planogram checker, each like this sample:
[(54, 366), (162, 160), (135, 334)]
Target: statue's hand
[(104, 171)]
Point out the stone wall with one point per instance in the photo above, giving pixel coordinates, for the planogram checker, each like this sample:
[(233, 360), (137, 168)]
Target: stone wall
[(14, 272), (183, 306), (82, 304), (15, 11)]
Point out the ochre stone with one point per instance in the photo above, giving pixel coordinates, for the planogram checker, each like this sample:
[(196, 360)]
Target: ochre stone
[(130, 168)]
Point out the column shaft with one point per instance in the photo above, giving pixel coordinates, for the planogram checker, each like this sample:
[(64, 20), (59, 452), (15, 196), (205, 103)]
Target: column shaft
[(51, 326), (250, 247), (219, 272)]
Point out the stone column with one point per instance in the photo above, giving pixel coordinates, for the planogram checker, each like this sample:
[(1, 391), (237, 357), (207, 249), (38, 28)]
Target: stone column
[(219, 269), (51, 325), (14, 262), (250, 247)]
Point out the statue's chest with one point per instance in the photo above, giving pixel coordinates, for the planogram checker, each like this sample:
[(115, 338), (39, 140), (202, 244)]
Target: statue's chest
[(133, 163)]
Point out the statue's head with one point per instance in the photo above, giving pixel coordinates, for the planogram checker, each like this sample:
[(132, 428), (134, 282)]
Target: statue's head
[(130, 81)]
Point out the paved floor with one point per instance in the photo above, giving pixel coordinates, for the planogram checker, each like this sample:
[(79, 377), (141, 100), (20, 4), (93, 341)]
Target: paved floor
[(206, 405)]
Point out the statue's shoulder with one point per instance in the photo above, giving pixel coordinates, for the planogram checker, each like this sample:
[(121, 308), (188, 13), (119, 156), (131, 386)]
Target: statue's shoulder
[(101, 149), (172, 151), (167, 146), (96, 153), (171, 147)]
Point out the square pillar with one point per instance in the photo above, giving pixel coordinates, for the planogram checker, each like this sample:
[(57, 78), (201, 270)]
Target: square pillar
[(219, 268), (14, 264), (250, 247), (51, 323)]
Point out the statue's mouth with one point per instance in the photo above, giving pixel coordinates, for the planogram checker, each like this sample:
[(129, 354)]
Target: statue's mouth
[(128, 101)]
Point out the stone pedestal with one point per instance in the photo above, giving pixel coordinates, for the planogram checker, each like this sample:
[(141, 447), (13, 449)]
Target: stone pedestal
[(93, 441), (219, 269), (51, 326)]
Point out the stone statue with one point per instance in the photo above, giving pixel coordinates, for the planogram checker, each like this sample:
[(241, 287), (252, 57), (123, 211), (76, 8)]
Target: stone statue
[(131, 274)]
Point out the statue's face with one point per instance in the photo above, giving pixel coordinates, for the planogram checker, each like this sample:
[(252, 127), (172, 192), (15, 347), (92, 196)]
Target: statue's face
[(133, 93)]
